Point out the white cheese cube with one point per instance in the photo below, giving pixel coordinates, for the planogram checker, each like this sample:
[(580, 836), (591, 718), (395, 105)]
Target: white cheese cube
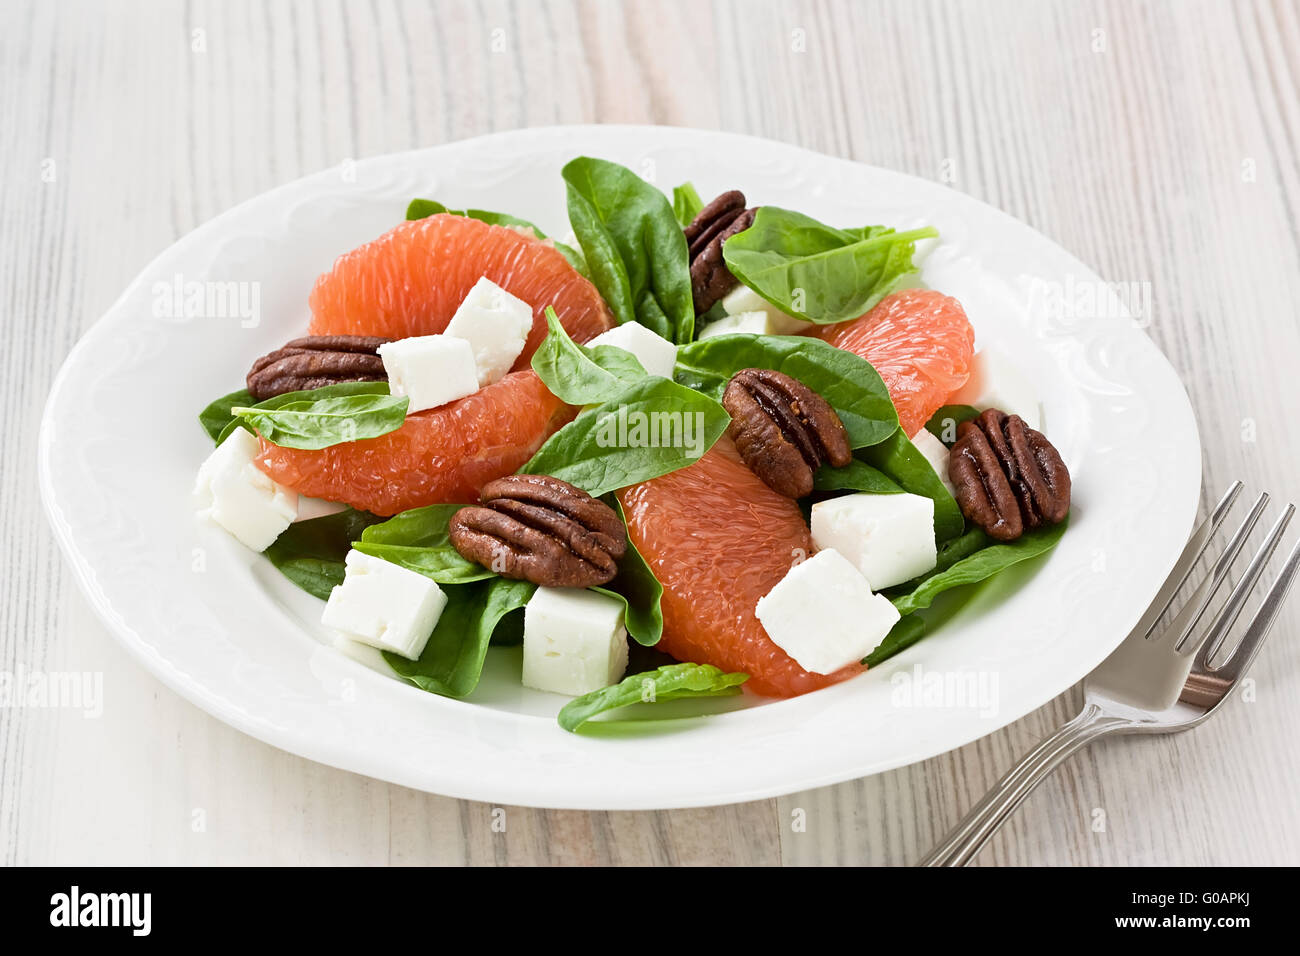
[(936, 453), (430, 370), (656, 354), (996, 383), (384, 605), (823, 614), (755, 323), (744, 299), (574, 641), (889, 538), (495, 324), (235, 494)]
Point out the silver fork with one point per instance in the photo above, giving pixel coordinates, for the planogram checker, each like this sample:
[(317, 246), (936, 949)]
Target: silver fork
[(1160, 680)]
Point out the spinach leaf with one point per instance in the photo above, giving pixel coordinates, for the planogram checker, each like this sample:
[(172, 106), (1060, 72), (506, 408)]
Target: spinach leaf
[(311, 553), (815, 271), (901, 636), (216, 417), (847, 381), (423, 208), (943, 423), (338, 390), (655, 426), (899, 459), (686, 203), (671, 682), (419, 539), (582, 376), (322, 422), (855, 476), (633, 245), (452, 661), (639, 589), (979, 565)]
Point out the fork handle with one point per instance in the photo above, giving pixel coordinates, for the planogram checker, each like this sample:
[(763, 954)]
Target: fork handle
[(968, 837)]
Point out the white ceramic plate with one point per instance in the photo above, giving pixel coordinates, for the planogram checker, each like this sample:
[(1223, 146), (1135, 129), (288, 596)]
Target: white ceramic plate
[(120, 445)]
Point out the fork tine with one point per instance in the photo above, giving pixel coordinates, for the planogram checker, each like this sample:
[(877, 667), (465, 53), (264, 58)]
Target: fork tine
[(1220, 571), (1192, 552), (1244, 655), (1237, 599)]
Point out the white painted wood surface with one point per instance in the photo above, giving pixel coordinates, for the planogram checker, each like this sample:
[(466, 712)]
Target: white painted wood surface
[(1158, 141)]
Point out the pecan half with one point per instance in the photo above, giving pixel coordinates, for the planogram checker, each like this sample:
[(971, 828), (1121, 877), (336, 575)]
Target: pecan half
[(541, 529), (783, 429), (715, 224), (1008, 477), (314, 361)]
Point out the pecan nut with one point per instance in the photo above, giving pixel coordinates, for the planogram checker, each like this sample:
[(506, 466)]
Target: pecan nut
[(715, 224), (1008, 477), (541, 529), (783, 429), (314, 361)]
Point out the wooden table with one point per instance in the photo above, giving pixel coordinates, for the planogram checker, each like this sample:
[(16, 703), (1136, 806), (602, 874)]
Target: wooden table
[(1157, 141)]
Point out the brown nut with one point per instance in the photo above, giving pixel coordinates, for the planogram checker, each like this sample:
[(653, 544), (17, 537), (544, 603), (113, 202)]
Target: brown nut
[(783, 429), (713, 225), (1008, 478), (541, 529), (314, 361)]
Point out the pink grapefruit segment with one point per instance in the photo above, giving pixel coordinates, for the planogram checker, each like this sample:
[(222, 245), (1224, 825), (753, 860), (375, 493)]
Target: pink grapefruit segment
[(718, 539), (920, 342)]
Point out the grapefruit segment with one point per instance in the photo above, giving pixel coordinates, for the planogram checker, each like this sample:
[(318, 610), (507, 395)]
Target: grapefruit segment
[(442, 455), (718, 539), (410, 281), (920, 342)]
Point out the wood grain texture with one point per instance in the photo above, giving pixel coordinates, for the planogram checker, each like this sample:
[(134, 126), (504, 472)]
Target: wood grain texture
[(1160, 142)]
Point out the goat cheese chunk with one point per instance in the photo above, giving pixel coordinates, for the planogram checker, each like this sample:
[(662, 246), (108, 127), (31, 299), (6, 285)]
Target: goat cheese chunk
[(823, 614), (430, 370), (574, 641), (235, 494), (384, 605), (936, 453), (495, 324), (755, 323), (889, 538), (657, 355), (743, 299), (995, 382)]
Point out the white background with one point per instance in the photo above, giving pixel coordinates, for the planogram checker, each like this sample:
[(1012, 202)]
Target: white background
[(1158, 142)]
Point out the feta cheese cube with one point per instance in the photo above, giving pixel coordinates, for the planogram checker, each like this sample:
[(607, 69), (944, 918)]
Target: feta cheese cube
[(235, 494), (430, 370), (657, 355), (936, 453), (744, 299), (574, 641), (495, 324), (755, 323), (889, 538), (823, 614), (996, 383), (384, 605)]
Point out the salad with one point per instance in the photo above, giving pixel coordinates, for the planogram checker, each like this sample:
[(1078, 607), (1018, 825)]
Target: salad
[(729, 449)]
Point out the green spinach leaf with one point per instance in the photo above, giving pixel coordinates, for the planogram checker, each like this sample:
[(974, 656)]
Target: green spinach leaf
[(899, 459), (855, 476), (639, 589), (339, 390), (901, 636), (671, 682), (217, 417), (419, 539), (655, 426), (311, 553), (452, 661), (686, 203), (817, 272), (634, 247), (847, 381), (580, 375), (943, 423), (322, 422)]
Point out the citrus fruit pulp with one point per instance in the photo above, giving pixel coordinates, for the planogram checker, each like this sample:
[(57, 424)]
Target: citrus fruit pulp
[(920, 342), (718, 539)]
